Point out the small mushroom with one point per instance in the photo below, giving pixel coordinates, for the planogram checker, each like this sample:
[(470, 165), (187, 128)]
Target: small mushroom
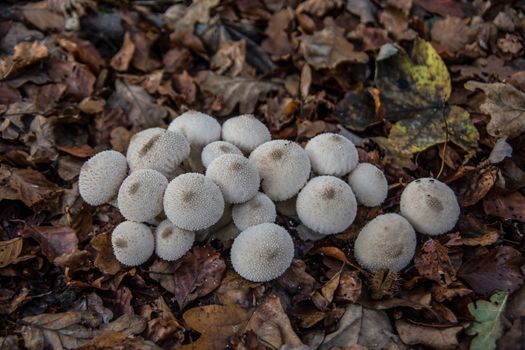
[(369, 184), (132, 242), (326, 205), (199, 128), (386, 242), (332, 154), (284, 168), (171, 242), (216, 149), (246, 132), (140, 196), (430, 206), (262, 252), (237, 178), (101, 176), (193, 202), (258, 210)]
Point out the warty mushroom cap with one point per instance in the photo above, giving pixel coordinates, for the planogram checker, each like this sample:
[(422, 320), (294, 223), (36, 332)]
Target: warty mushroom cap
[(369, 184), (386, 242), (157, 149), (430, 206), (193, 202), (171, 242), (140, 195), (262, 252), (132, 242), (258, 210), (284, 168), (101, 176), (326, 205), (198, 128), (216, 149), (246, 132), (332, 154), (236, 176)]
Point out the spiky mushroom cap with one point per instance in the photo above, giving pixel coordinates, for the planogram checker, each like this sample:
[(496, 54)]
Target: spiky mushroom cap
[(199, 128), (332, 154), (369, 184), (246, 132), (171, 242), (132, 242), (258, 210), (216, 149)]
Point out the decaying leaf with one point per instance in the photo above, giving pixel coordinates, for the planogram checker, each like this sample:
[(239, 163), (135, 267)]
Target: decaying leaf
[(120, 62), (487, 326), (453, 33), (9, 251), (435, 338), (25, 54), (105, 259), (359, 110), (34, 189), (432, 261), (509, 206), (54, 240)]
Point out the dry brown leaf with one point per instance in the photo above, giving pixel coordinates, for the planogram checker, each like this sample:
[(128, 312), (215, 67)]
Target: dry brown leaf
[(435, 338), (39, 15), (105, 261), (349, 288), (25, 54), (10, 250), (365, 9), (230, 58), (54, 240), (80, 151), (432, 261), (278, 43), (480, 184), (120, 62), (235, 290), (453, 33), (79, 80), (318, 7), (34, 189), (488, 238), (309, 129), (85, 51)]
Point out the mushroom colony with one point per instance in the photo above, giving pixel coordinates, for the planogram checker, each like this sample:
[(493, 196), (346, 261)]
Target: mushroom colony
[(199, 179)]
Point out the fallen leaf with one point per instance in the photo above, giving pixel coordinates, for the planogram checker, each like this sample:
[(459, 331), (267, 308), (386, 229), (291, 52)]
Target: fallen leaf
[(80, 151), (39, 15), (453, 290), (278, 42), (487, 326), (308, 129), (54, 241), (507, 206), (296, 281), (105, 260), (365, 9), (453, 33), (479, 185), (441, 7), (229, 59), (25, 54), (128, 323), (360, 109), (34, 189), (318, 7), (435, 338), (235, 290), (85, 51), (350, 287), (372, 38), (197, 12), (395, 20), (9, 251), (432, 261), (142, 58), (120, 62), (79, 80)]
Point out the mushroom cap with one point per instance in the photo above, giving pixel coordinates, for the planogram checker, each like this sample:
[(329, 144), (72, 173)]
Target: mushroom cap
[(386, 242), (236, 176), (132, 242), (262, 252), (369, 184), (284, 168), (430, 206), (198, 128), (140, 195), (258, 210), (332, 154), (326, 205), (157, 149), (101, 176), (216, 149), (171, 242), (193, 202), (246, 132)]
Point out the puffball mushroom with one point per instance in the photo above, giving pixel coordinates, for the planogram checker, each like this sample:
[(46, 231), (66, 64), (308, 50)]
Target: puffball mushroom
[(140, 195), (258, 210), (326, 205), (237, 178), (369, 184), (262, 252), (101, 176), (193, 202), (430, 206), (216, 149), (171, 242), (157, 149), (386, 242), (332, 154), (284, 168), (246, 132), (132, 242), (198, 128)]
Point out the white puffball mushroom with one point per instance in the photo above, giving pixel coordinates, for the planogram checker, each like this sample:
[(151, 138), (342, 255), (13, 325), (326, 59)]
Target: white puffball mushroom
[(430, 206), (193, 202), (132, 242), (171, 242), (262, 252), (198, 128), (101, 176), (386, 242), (284, 168), (326, 205), (236, 176), (216, 149), (369, 184), (157, 149), (246, 132), (332, 154), (258, 210)]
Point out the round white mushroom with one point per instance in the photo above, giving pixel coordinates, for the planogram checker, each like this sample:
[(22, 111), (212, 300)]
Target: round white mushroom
[(171, 242), (236, 176), (132, 242), (193, 202), (369, 184), (101, 176), (284, 168), (326, 205), (386, 242), (332, 154), (140, 196), (246, 132), (262, 252), (258, 210), (198, 128), (216, 149)]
